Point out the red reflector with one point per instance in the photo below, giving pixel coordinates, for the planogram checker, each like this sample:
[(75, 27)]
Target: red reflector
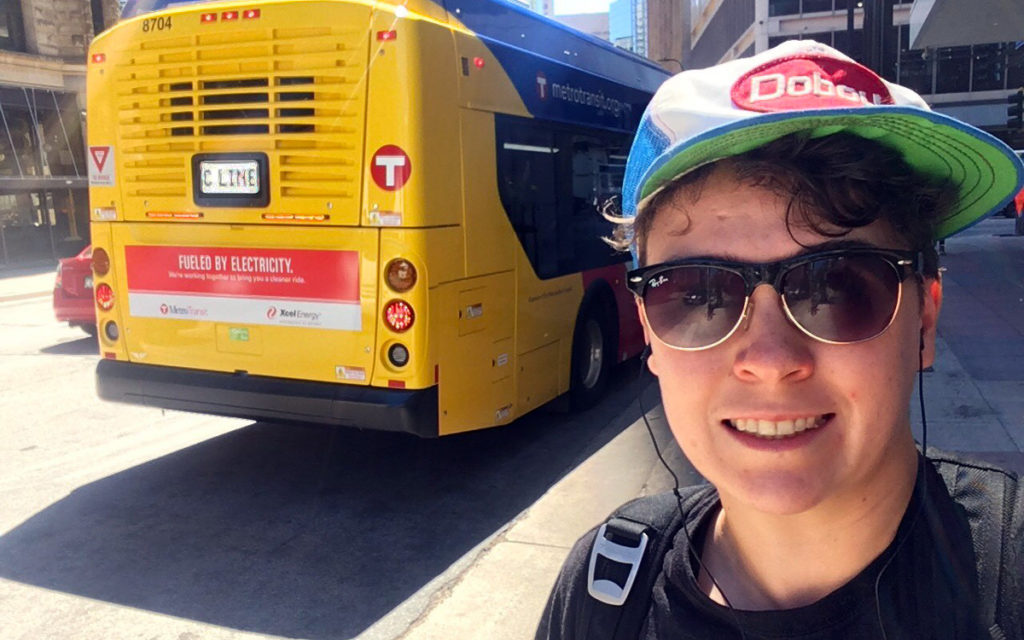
[(104, 297), (478, 63), (396, 384), (229, 15), (437, 374), (249, 14), (387, 35), (164, 215), (284, 217), (110, 355), (99, 57), (208, 17), (398, 315), (100, 261)]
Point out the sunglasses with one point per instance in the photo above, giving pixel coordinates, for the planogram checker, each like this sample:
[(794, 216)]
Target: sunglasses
[(837, 297)]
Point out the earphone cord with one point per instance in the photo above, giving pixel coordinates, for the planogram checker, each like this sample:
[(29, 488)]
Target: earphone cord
[(924, 489), (679, 504)]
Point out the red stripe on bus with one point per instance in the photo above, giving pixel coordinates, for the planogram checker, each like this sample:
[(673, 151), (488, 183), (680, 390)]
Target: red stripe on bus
[(631, 334)]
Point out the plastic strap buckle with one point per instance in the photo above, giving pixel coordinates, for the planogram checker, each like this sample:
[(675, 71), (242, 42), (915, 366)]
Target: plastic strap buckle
[(608, 591)]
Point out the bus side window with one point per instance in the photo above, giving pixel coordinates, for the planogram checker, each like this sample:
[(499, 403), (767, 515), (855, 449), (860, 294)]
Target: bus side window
[(598, 169), (526, 165), (554, 180)]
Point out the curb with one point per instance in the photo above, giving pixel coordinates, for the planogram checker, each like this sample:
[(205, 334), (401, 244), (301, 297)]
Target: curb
[(25, 296)]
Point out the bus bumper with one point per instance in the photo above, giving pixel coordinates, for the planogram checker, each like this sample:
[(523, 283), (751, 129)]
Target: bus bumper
[(272, 399)]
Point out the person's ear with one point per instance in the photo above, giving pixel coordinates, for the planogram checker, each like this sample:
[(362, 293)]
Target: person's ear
[(930, 306)]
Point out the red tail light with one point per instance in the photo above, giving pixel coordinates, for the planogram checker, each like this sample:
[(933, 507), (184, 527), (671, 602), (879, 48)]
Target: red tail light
[(398, 315), (105, 297)]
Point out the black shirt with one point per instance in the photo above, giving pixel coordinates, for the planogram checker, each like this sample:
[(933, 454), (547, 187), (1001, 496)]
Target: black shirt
[(926, 581)]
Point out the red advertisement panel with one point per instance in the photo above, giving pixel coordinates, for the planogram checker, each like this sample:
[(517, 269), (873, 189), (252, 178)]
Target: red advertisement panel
[(281, 274)]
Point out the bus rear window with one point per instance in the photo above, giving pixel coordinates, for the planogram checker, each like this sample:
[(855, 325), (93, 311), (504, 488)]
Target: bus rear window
[(134, 8)]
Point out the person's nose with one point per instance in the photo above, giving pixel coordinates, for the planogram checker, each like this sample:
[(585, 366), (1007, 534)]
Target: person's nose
[(772, 348)]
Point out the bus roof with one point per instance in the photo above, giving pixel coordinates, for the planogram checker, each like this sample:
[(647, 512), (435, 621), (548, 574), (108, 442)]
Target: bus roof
[(134, 8), (515, 25)]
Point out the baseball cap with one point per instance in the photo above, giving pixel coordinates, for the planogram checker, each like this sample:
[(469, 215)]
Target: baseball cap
[(704, 115)]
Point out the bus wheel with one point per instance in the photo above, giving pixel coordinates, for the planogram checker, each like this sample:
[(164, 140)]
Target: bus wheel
[(592, 353)]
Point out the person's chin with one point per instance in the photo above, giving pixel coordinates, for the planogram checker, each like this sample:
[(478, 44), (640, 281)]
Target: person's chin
[(779, 493)]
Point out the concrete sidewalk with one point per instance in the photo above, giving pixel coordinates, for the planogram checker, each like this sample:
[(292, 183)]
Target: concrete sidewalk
[(27, 282)]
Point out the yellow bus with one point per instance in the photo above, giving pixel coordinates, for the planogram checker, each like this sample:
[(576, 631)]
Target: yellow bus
[(379, 214)]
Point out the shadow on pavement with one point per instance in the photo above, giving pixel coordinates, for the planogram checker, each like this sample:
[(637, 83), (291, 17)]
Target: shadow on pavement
[(300, 531), (980, 320), (27, 269), (84, 346)]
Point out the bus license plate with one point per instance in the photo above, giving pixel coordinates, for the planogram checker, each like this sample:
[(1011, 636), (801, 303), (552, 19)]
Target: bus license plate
[(240, 177)]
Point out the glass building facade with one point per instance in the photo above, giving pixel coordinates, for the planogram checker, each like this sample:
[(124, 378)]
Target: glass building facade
[(44, 210), (987, 66)]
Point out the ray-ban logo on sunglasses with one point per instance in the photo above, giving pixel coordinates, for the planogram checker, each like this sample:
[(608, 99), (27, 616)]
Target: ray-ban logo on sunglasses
[(657, 282)]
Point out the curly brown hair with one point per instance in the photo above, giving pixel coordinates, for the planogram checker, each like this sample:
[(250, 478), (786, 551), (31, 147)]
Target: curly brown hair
[(834, 183)]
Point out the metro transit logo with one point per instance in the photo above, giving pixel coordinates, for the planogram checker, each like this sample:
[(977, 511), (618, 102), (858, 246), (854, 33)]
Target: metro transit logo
[(390, 167)]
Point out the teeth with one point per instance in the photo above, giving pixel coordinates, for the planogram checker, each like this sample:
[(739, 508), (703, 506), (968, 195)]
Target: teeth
[(766, 428), (780, 429)]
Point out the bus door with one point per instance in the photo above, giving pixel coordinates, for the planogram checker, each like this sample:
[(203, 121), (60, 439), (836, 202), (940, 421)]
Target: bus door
[(476, 353)]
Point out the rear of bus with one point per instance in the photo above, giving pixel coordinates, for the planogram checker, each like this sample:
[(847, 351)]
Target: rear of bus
[(246, 264)]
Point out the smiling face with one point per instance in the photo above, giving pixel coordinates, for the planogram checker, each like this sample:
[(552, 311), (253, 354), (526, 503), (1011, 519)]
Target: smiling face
[(777, 421)]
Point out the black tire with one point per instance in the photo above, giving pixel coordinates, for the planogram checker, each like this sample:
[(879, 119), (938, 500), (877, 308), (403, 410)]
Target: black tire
[(1018, 225), (593, 352), (90, 328)]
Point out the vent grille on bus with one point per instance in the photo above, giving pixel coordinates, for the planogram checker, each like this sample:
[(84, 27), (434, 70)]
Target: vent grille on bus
[(297, 95), (248, 109)]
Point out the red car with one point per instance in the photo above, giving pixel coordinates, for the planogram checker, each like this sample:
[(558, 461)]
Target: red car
[(1018, 206), (72, 293), (1018, 203)]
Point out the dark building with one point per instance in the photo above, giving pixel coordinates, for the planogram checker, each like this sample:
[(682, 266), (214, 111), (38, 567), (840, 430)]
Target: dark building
[(967, 77), (44, 210)]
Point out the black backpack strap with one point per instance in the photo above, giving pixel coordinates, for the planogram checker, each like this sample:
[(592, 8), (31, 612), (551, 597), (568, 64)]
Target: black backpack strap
[(625, 561), (989, 496), (1008, 616)]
